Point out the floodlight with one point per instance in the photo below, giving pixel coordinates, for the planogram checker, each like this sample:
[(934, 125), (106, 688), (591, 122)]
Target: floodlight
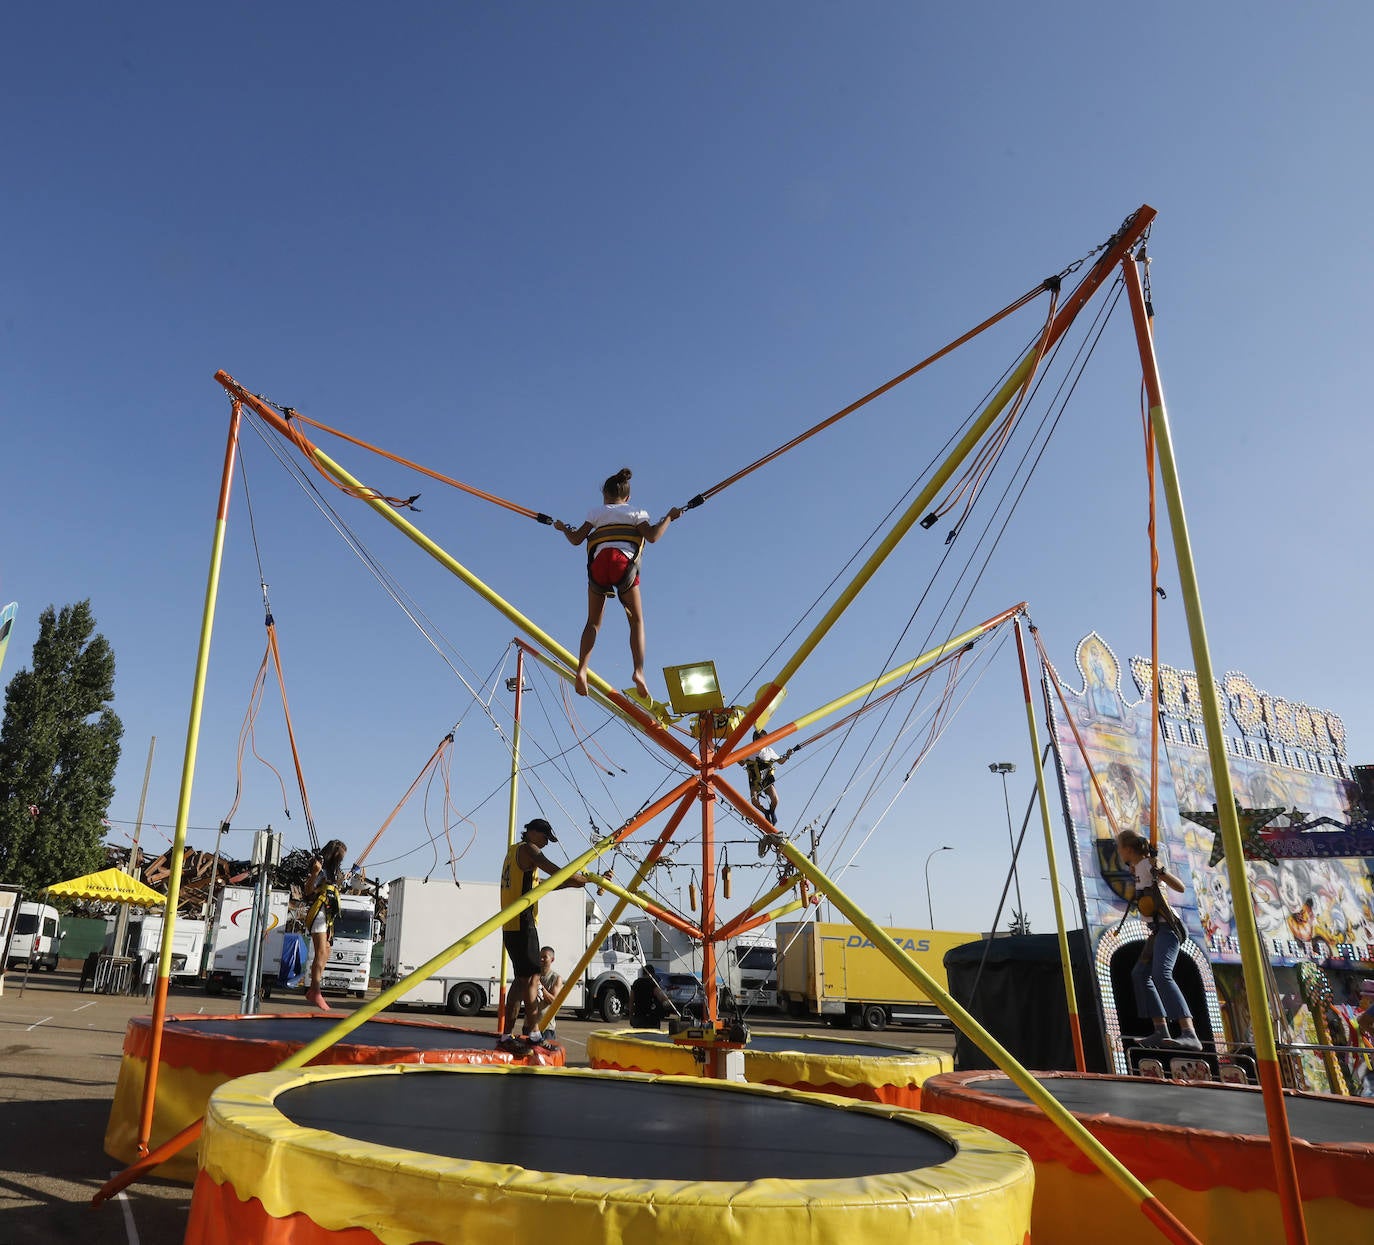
[(693, 688)]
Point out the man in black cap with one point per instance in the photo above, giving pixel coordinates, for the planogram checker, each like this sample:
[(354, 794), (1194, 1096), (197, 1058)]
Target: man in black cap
[(521, 935)]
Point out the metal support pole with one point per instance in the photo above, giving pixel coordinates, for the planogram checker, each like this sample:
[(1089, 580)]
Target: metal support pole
[(188, 771), (1065, 959), (501, 1026), (1247, 929)]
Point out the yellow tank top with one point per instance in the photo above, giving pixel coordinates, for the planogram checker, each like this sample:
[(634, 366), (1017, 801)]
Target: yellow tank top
[(514, 883)]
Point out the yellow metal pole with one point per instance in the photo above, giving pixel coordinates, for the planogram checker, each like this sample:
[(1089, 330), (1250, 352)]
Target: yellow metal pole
[(650, 859), (1093, 1149), (629, 711), (1102, 268), (188, 772), (949, 646), (772, 914), (387, 512), (647, 905), (731, 926), (1247, 929), (510, 819), (1070, 992)]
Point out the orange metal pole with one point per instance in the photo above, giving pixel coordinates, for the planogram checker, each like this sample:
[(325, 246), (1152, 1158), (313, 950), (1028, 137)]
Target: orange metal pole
[(706, 722), (734, 924), (1253, 959)]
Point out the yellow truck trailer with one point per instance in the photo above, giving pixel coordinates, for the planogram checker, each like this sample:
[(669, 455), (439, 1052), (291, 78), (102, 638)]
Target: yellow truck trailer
[(835, 972)]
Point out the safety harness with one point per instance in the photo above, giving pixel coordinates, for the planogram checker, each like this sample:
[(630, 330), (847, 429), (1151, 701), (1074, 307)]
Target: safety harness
[(326, 897), (617, 534)]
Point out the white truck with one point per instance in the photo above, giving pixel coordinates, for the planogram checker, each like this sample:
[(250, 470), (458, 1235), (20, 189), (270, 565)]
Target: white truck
[(36, 937), (746, 965), (350, 956), (424, 918), (143, 942), (229, 958), (750, 969)]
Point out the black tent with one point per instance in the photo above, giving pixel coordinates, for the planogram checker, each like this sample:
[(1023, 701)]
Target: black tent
[(1019, 999)]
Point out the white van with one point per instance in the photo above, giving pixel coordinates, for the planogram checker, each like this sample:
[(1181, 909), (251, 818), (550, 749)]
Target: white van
[(36, 937)]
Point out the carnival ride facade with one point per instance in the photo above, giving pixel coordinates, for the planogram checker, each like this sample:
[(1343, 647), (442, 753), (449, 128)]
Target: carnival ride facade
[(703, 743)]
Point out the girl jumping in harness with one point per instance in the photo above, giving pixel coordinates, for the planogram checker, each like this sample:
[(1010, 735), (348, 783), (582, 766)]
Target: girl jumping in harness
[(322, 886), (616, 533), (1156, 992)]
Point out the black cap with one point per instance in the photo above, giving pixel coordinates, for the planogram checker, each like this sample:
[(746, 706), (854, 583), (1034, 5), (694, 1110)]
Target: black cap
[(543, 827)]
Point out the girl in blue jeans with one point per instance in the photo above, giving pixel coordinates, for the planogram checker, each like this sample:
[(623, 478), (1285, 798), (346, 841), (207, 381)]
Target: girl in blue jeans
[(1156, 993)]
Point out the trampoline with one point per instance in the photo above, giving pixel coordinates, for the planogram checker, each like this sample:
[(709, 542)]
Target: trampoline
[(868, 1071), (1202, 1149), (473, 1154), (200, 1053)]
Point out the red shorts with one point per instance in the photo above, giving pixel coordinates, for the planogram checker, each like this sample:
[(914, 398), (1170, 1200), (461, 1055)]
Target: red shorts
[(608, 570)]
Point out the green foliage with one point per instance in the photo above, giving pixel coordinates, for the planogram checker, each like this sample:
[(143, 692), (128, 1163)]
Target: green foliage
[(59, 747), (1020, 924)]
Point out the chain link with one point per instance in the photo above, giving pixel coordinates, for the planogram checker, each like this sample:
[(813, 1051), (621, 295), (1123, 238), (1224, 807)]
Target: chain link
[(1078, 263)]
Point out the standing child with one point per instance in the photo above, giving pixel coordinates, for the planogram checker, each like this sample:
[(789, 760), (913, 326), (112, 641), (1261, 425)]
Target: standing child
[(1156, 992), (616, 533), (322, 887)]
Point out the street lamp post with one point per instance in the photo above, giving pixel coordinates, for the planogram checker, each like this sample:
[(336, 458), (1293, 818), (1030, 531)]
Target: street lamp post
[(930, 910), (1004, 768)]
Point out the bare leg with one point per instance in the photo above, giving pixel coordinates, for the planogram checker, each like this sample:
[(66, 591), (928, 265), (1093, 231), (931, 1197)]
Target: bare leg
[(596, 603), (634, 614), (322, 946), (531, 999)]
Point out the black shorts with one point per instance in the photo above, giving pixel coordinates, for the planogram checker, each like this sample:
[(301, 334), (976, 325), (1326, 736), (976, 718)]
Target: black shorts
[(522, 945)]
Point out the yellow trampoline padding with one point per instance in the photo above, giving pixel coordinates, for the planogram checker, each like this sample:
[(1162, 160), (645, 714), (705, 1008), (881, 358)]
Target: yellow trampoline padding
[(1065, 1199), (180, 1100), (624, 1048), (983, 1194)]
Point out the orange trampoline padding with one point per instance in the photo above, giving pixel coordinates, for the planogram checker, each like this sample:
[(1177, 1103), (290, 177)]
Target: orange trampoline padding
[(1203, 1150), (220, 1218)]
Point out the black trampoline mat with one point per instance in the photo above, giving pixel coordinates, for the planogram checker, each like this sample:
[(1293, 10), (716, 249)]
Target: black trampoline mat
[(786, 1044), (1234, 1110), (604, 1126), (301, 1030)]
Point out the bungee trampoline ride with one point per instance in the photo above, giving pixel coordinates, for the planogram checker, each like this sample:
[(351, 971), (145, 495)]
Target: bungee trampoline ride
[(511, 1150), (199, 1053)]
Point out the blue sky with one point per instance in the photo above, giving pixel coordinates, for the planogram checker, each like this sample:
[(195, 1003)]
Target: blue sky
[(526, 244)]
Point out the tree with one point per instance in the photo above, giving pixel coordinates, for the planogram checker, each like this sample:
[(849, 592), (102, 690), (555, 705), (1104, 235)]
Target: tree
[(1020, 924), (59, 747)]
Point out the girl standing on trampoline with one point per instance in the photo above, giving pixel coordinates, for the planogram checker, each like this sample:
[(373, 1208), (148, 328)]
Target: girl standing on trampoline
[(322, 886), (1156, 992), (616, 534)]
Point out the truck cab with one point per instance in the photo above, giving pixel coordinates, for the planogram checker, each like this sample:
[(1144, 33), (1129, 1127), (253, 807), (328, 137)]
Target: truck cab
[(612, 971), (751, 972), (36, 937)]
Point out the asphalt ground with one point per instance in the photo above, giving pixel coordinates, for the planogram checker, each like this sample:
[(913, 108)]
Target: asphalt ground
[(58, 1067)]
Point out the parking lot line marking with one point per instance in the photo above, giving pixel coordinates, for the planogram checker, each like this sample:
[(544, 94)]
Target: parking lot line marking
[(83, 1007), (36, 1023), (123, 1198)]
